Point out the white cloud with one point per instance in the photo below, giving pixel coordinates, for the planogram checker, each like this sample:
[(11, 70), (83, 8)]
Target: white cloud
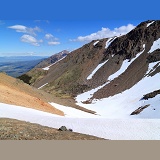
[(51, 39), (24, 29), (53, 43), (31, 40), (105, 33), (49, 36)]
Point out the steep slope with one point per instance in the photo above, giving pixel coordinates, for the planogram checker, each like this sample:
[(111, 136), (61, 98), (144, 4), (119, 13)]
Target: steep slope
[(16, 92)]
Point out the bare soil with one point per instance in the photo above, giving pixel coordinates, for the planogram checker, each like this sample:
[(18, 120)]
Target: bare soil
[(15, 92)]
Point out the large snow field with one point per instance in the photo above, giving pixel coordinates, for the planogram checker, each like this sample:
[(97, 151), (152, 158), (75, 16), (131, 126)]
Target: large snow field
[(114, 129)]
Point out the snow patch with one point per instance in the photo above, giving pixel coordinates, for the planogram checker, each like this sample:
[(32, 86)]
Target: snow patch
[(48, 67), (150, 23), (156, 45), (95, 43), (152, 67), (96, 69), (43, 86), (109, 41)]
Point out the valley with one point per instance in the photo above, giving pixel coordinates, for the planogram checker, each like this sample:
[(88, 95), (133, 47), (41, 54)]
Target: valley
[(108, 88)]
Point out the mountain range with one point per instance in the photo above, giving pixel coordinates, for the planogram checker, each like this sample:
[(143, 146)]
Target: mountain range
[(107, 88), (104, 69)]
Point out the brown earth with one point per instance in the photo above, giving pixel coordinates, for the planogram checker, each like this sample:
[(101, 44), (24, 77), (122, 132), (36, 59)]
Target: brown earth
[(11, 129), (15, 92)]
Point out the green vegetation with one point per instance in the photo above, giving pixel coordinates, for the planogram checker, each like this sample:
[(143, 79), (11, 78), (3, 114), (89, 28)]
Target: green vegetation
[(32, 76), (25, 78)]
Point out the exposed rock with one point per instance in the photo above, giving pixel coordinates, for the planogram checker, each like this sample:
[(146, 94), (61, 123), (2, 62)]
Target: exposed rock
[(62, 128), (151, 94), (140, 109)]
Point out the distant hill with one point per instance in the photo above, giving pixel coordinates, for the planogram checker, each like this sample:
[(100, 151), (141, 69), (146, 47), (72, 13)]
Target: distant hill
[(18, 65)]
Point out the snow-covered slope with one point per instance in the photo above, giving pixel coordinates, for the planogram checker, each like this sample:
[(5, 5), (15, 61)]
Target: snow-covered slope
[(123, 104), (114, 129)]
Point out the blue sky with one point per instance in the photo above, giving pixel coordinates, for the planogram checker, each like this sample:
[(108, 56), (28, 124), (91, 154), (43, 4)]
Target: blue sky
[(46, 37)]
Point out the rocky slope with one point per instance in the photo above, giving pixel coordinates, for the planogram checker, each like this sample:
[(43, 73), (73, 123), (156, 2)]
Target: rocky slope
[(109, 66)]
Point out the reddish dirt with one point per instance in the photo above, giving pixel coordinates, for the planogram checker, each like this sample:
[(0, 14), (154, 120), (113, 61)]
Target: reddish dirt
[(16, 93)]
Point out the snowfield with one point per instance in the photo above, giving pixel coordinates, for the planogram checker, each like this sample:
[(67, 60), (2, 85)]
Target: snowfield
[(42, 86), (114, 129)]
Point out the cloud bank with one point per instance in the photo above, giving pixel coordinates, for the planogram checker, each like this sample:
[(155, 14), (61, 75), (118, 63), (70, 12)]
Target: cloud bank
[(105, 33)]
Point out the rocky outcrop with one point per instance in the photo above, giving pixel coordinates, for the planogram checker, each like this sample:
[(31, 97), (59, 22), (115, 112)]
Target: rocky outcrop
[(151, 94), (139, 110)]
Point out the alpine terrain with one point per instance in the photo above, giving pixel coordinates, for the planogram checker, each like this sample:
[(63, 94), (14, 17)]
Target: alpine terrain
[(108, 88), (117, 77)]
